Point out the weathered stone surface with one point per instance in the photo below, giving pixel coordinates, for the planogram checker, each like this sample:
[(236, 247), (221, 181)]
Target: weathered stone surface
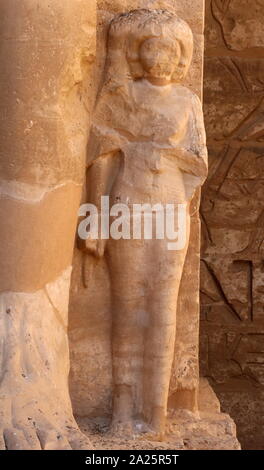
[(232, 325), (46, 54)]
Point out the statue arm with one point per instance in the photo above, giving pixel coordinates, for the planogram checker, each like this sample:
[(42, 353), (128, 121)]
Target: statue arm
[(197, 139), (191, 162), (101, 174), (192, 155), (103, 156), (103, 159)]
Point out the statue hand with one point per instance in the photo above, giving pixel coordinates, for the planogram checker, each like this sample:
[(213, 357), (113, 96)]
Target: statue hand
[(92, 247)]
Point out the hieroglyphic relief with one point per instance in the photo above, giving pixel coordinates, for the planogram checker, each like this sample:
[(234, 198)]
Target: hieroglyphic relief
[(232, 279), (239, 22)]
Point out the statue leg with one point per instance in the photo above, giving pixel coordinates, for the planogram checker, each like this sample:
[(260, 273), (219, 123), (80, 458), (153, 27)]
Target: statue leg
[(160, 337), (126, 263), (45, 62)]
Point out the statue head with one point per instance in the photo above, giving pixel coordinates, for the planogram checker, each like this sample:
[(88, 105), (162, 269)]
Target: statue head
[(155, 44)]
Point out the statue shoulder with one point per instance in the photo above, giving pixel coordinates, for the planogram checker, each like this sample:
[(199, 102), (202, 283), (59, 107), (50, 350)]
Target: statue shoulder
[(187, 95), (192, 96), (194, 104), (197, 104)]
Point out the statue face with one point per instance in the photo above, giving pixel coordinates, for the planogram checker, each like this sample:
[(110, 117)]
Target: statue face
[(159, 57)]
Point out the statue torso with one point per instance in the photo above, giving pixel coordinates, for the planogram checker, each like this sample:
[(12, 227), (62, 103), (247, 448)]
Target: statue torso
[(154, 124), (153, 114)]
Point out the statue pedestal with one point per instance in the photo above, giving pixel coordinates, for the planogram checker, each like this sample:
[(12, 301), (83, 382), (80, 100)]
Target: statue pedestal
[(207, 430)]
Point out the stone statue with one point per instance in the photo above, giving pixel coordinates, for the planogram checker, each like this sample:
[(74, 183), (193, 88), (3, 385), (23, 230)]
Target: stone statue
[(147, 146)]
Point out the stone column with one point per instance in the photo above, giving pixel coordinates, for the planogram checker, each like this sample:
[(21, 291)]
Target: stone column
[(47, 51)]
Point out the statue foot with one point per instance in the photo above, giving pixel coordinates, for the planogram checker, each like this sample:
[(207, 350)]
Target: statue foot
[(147, 433), (153, 429), (35, 407), (152, 435), (36, 424), (123, 428), (122, 420)]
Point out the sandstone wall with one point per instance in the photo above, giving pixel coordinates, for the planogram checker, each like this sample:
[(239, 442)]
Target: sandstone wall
[(232, 285)]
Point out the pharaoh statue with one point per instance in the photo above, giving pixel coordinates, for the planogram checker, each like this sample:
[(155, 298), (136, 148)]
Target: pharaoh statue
[(147, 146)]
